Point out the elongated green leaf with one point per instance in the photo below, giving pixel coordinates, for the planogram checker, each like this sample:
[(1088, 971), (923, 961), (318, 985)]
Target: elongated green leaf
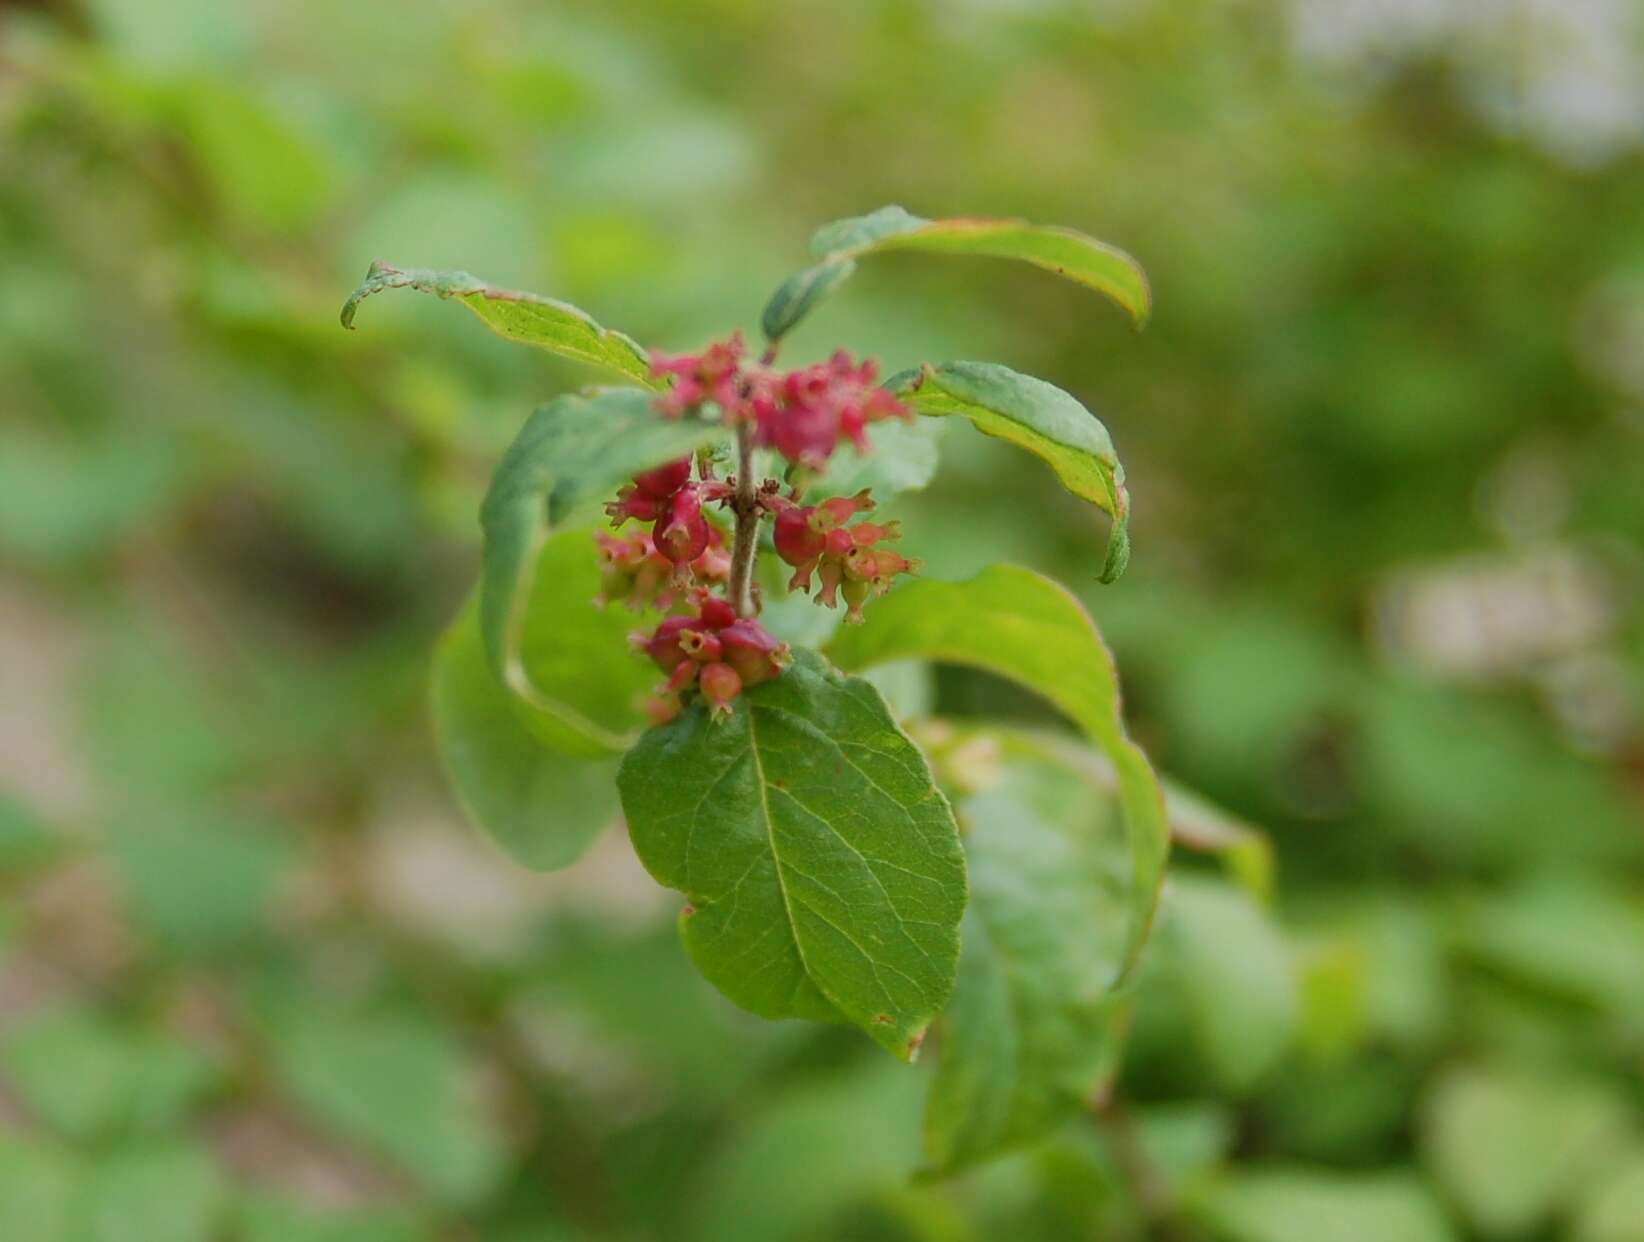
[(821, 862), (808, 1153), (1312, 1205), (39, 1191), (541, 806), (1612, 1210), (1023, 626), (1512, 1147), (572, 454), (395, 1083), (1040, 418), (1067, 252), (578, 654), (154, 1193), (1195, 822), (1031, 1031), (558, 327), (903, 459), (1234, 974), (800, 292)]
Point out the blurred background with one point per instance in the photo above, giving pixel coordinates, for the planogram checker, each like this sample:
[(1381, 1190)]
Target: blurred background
[(1385, 438)]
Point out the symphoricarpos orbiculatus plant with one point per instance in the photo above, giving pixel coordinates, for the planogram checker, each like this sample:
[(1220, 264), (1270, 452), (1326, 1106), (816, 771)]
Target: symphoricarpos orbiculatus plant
[(633, 646)]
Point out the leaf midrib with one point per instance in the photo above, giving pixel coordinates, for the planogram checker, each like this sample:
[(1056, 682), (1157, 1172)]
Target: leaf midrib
[(776, 858)]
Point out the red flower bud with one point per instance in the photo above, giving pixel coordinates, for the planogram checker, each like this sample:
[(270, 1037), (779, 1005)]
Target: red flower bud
[(685, 673), (716, 613), (837, 542), (713, 375), (865, 533), (753, 651), (682, 533), (805, 433), (664, 481), (630, 503), (663, 708), (795, 539), (720, 684), (664, 646), (837, 510)]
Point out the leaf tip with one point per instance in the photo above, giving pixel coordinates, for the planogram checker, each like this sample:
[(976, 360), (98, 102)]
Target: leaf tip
[(916, 1041)]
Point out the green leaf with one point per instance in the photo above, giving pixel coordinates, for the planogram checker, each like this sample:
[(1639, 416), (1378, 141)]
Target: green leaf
[(1067, 252), (796, 296), (821, 862), (903, 459), (1021, 625), (265, 1218), (577, 653), (1031, 1031), (72, 1070), (397, 1084), (1613, 1211), (570, 456), (1575, 936), (85, 1077), (1512, 1147), (1235, 977), (809, 1153), (1195, 822), (558, 327), (38, 1189), (200, 884), (154, 1194), (1040, 418), (1303, 1205), (539, 805), (25, 839)]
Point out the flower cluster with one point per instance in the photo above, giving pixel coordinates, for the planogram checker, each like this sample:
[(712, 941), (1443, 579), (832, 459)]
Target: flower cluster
[(714, 650), (703, 645), (848, 560), (804, 415), (680, 532), (633, 571), (713, 375)]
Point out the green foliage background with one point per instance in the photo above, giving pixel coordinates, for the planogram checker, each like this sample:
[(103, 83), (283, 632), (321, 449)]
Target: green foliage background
[(257, 979)]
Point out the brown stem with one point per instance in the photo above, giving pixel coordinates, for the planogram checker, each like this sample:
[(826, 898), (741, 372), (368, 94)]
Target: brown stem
[(745, 504)]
